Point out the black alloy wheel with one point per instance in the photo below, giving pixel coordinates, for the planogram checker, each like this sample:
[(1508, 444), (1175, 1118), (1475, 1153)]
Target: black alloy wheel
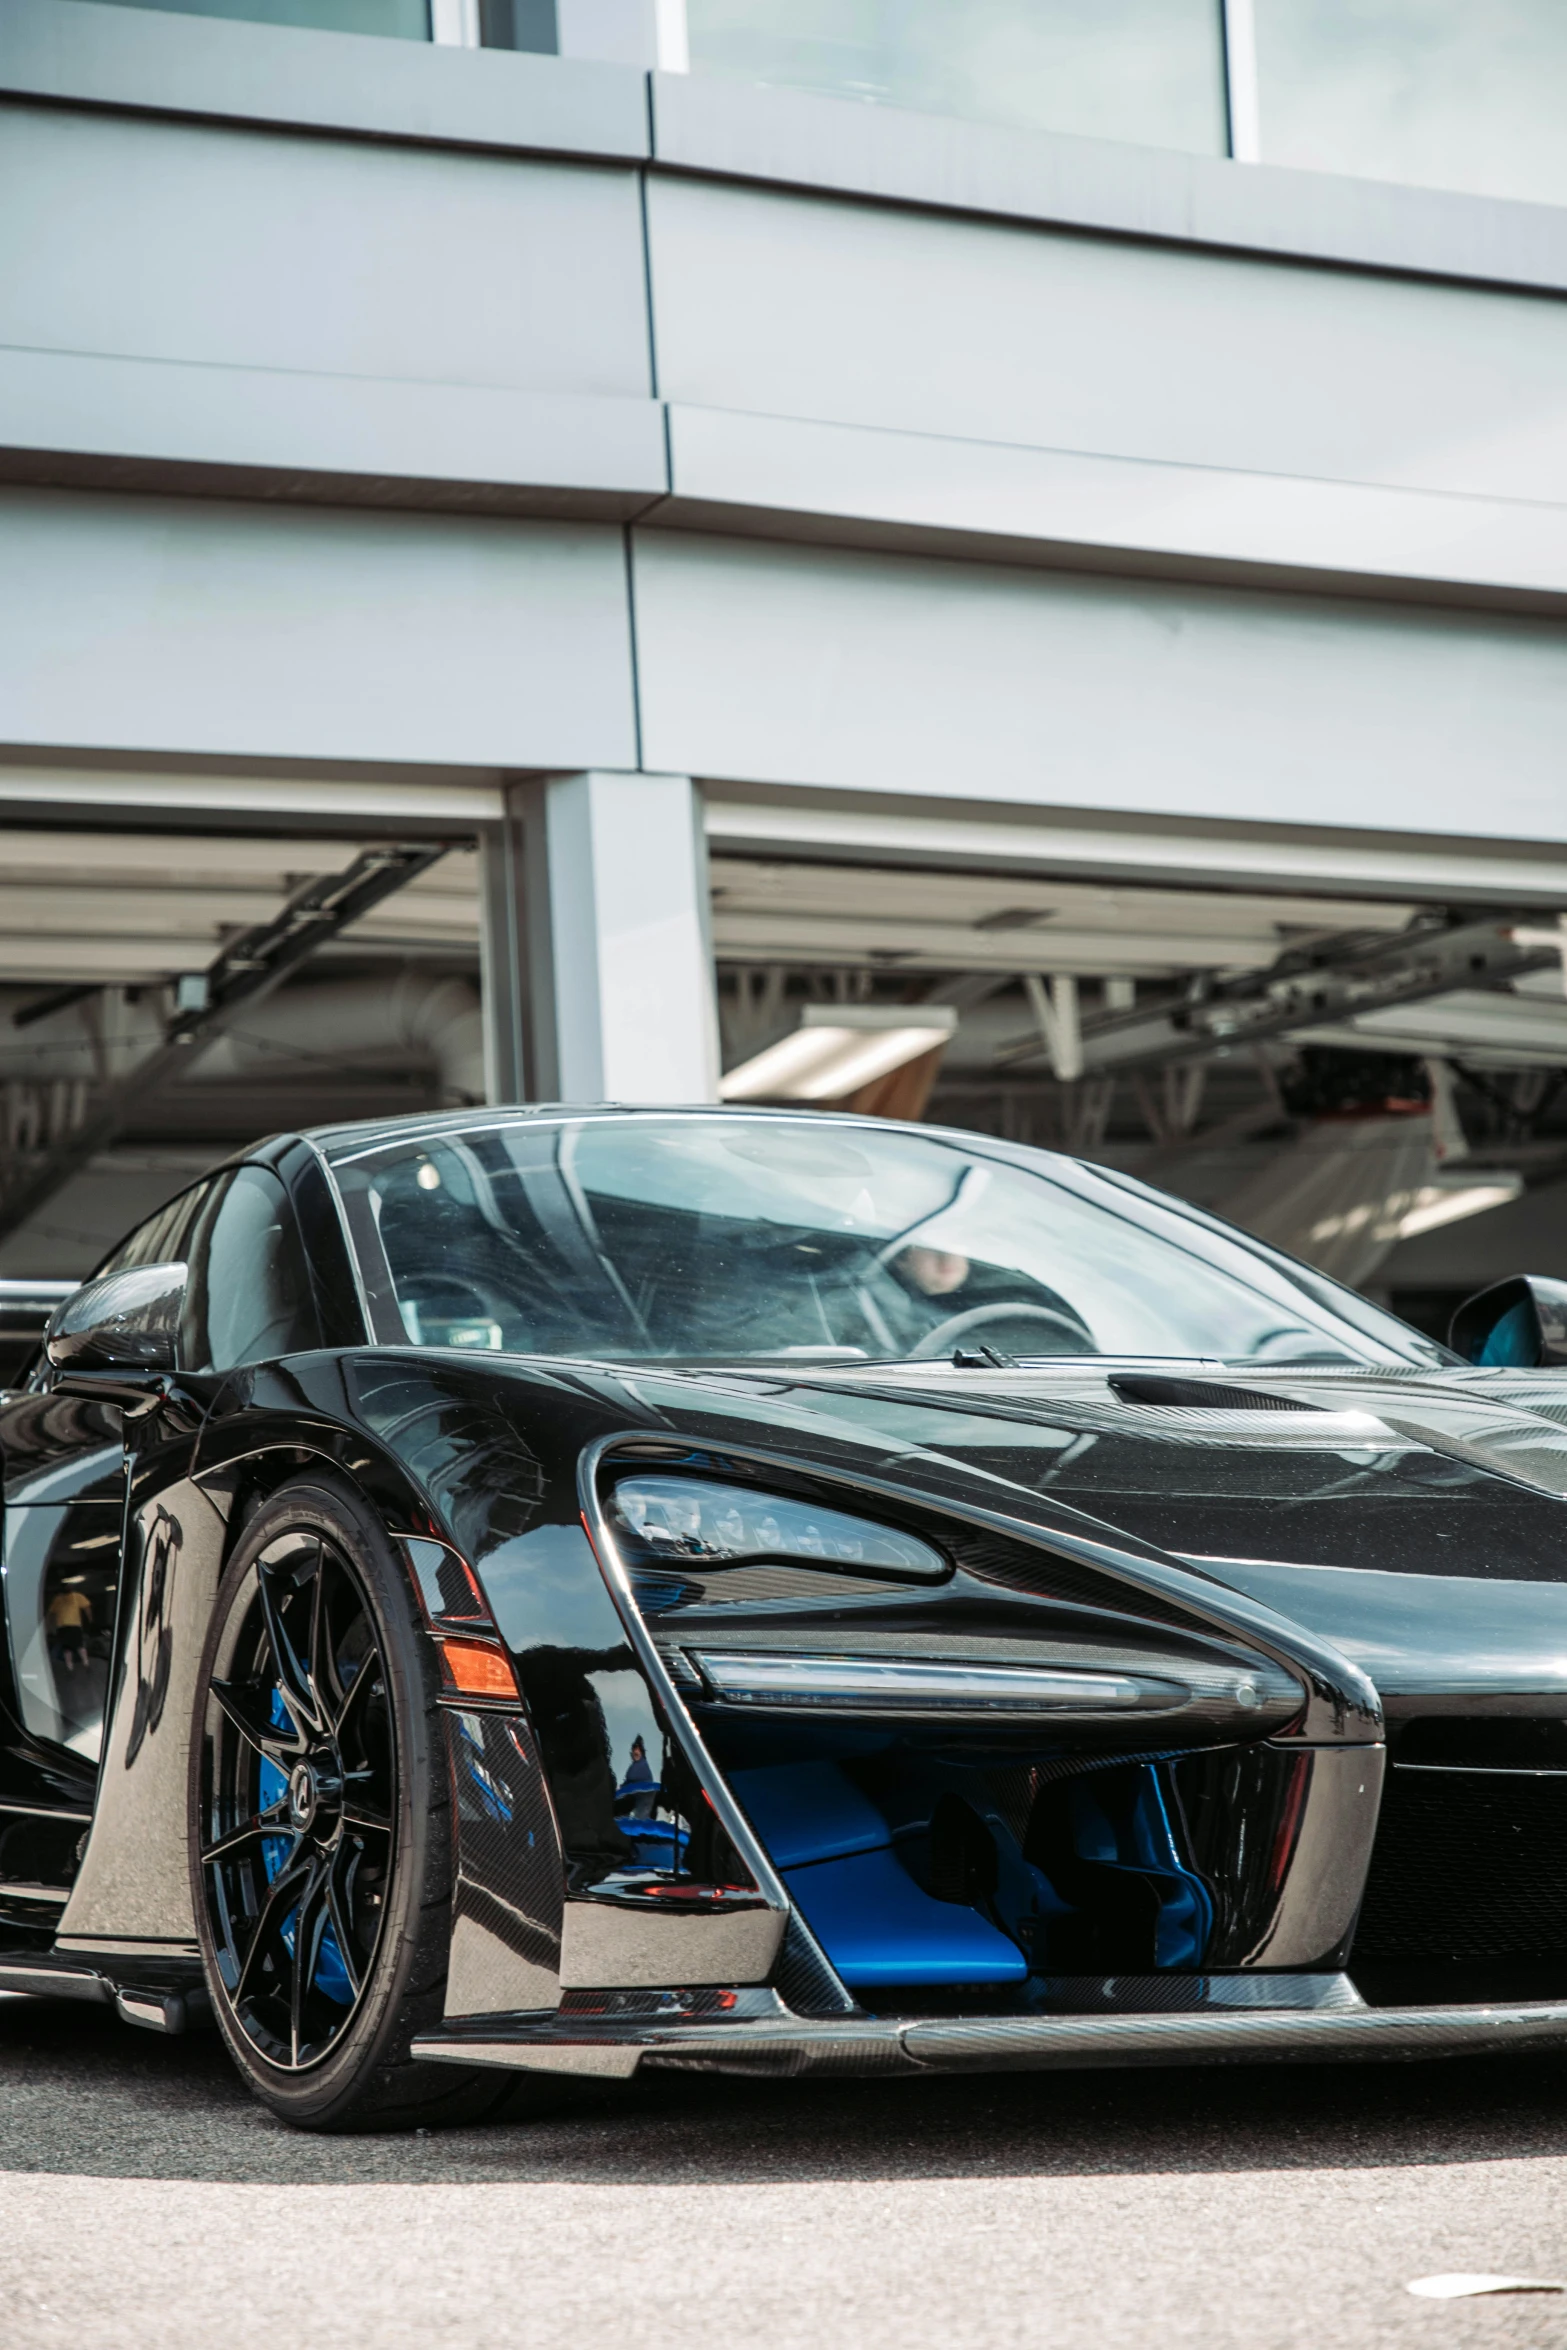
[(303, 1798), (320, 1824)]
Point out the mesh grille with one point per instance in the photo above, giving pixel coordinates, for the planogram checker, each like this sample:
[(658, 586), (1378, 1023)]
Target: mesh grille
[(1467, 1865)]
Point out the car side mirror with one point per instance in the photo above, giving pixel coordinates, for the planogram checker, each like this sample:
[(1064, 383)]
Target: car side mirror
[(1519, 1324), (120, 1322)]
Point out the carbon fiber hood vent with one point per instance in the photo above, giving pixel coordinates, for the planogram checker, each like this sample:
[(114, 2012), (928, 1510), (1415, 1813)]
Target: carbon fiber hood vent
[(1196, 1395)]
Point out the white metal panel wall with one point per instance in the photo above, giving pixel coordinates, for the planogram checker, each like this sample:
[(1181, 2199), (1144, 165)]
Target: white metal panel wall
[(167, 240), (786, 664), (300, 632), (789, 305)]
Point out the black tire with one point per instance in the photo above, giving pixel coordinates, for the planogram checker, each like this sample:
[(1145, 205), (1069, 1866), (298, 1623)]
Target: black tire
[(320, 2024)]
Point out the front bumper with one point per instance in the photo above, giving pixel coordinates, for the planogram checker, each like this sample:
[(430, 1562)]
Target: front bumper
[(769, 2042)]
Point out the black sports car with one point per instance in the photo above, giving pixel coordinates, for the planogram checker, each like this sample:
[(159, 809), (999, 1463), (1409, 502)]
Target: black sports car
[(552, 1591)]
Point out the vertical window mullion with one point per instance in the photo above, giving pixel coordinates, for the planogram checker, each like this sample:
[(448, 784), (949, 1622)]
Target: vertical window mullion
[(1240, 80), (455, 23)]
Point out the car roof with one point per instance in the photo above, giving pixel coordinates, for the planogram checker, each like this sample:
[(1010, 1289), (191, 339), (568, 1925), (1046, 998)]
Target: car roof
[(348, 1141)]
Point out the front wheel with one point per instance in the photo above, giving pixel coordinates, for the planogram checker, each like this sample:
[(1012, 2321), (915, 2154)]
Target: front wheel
[(320, 1824)]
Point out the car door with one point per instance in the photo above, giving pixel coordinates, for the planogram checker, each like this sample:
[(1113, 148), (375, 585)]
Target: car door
[(63, 1460), (248, 1299)]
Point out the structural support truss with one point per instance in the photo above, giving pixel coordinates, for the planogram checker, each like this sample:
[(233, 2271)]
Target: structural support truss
[(1329, 985), (208, 1003)]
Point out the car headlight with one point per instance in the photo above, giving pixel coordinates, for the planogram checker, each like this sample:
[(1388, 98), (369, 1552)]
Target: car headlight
[(926, 1686), (700, 1520)]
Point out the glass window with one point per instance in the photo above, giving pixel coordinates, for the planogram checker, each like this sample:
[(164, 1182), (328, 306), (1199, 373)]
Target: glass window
[(62, 1574), (1442, 92), (404, 20), (518, 24), (162, 1239), (729, 1239), (1151, 71), (249, 1295)]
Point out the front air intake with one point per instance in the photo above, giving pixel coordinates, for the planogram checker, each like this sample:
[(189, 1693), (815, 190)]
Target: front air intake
[(1466, 1870)]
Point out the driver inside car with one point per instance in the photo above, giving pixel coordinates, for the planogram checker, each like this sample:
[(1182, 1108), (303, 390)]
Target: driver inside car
[(937, 1271), (975, 1298)]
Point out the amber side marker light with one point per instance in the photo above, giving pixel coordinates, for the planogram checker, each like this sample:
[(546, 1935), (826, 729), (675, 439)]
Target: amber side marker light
[(474, 1669)]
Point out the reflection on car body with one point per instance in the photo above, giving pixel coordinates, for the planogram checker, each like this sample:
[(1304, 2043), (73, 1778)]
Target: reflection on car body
[(770, 1591)]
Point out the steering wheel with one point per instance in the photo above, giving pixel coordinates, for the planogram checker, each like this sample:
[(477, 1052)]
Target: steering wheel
[(947, 1334), (1283, 1346)]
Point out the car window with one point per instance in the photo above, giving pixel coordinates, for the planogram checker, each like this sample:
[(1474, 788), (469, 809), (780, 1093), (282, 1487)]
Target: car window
[(163, 1239), (249, 1297), (727, 1237)]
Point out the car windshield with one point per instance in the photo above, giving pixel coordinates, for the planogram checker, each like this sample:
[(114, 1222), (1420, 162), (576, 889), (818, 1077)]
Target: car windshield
[(743, 1236)]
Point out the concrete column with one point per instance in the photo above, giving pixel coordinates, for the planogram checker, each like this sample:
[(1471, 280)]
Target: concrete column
[(598, 974)]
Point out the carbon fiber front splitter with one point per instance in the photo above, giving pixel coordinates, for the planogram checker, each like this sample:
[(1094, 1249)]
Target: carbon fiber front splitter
[(779, 2045)]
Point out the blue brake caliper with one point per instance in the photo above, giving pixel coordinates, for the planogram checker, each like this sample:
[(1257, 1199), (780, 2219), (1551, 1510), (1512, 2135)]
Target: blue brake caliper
[(331, 1976)]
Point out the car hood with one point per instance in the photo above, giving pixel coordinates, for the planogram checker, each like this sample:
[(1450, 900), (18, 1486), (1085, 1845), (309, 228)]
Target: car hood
[(1417, 1520)]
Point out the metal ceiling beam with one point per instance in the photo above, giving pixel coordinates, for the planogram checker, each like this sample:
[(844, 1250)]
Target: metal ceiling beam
[(247, 967), (1473, 873), (1331, 984)]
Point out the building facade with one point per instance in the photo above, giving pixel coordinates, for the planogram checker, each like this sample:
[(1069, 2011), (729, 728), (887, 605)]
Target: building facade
[(970, 525)]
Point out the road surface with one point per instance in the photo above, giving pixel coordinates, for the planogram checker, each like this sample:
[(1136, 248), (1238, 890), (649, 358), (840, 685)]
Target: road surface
[(147, 2204)]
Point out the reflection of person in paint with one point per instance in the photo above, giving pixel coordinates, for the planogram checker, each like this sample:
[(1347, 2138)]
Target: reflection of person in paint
[(568, 1719), (639, 1783), (68, 1615)]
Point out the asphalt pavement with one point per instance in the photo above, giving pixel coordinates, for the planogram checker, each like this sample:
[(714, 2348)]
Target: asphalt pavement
[(146, 2203)]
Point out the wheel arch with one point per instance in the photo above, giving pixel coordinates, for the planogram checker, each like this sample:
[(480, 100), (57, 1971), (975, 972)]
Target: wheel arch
[(253, 1477)]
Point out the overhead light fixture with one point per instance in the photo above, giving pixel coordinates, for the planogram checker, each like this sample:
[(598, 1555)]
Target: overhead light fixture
[(836, 1049), (1439, 1203), (1557, 938)]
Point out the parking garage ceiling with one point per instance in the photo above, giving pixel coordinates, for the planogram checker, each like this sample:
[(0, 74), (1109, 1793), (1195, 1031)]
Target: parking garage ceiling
[(383, 1012), (134, 908), (918, 925), (913, 920)]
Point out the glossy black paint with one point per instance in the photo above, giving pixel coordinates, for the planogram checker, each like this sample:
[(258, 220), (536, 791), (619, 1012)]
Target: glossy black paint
[(65, 1486), (300, 1168), (121, 1322), (1081, 1515), (509, 1895)]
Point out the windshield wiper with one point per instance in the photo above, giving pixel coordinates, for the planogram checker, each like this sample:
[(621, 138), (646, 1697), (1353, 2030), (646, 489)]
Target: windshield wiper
[(981, 1358)]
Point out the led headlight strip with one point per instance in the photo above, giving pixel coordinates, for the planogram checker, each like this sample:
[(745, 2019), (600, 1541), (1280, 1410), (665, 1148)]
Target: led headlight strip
[(704, 1522), (918, 1685)]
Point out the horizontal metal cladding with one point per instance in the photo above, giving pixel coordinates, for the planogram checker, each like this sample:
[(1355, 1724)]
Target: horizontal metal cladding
[(434, 96), (350, 614), (387, 90), (285, 287), (874, 670)]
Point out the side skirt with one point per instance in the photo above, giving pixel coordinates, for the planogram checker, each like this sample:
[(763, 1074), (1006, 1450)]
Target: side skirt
[(159, 1992)]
